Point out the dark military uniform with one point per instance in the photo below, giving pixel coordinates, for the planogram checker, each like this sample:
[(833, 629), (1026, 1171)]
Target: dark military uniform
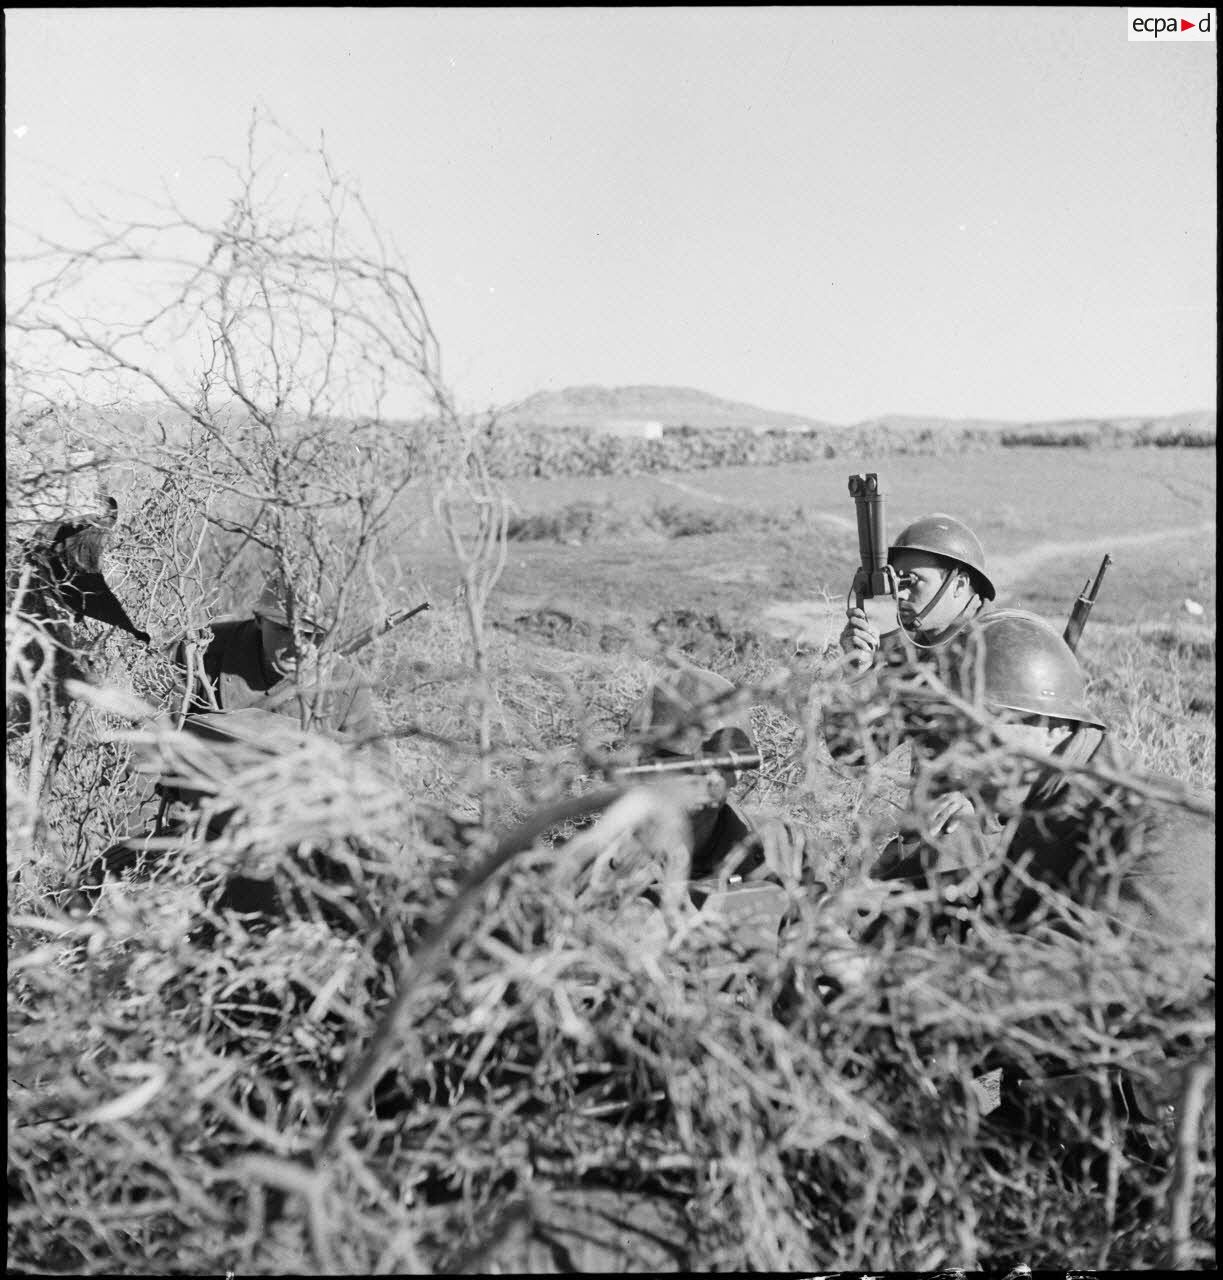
[(235, 677), (1068, 841), (1146, 862), (238, 676), (732, 832), (1146, 865), (1100, 844)]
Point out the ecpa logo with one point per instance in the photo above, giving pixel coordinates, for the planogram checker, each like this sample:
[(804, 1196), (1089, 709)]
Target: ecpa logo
[(1171, 24)]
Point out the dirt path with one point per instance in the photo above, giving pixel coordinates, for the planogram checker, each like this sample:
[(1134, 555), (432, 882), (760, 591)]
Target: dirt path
[(1014, 569), (693, 491), (839, 523), (817, 623)]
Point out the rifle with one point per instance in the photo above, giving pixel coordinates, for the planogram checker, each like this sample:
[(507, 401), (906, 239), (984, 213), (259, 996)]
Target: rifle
[(691, 764), (1082, 607), (875, 577), (379, 629)]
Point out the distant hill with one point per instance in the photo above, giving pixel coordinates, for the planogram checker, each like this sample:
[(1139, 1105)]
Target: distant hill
[(622, 408), (603, 407)]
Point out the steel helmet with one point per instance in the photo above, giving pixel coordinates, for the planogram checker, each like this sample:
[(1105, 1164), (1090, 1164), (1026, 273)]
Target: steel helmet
[(1016, 661), (944, 535), (312, 608), (675, 696)]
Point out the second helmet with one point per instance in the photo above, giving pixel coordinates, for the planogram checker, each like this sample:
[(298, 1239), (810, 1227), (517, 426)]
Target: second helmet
[(1019, 662)]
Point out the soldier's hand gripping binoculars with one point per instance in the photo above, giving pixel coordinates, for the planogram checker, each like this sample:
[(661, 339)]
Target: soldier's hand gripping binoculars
[(875, 577)]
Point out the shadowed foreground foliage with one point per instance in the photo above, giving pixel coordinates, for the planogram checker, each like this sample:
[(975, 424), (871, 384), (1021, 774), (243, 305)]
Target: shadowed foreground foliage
[(173, 1070)]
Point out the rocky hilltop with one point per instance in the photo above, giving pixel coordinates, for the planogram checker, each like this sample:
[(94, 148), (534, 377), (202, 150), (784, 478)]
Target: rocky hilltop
[(600, 407), (624, 408)]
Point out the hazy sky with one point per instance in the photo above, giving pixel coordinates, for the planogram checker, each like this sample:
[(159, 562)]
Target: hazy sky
[(970, 211)]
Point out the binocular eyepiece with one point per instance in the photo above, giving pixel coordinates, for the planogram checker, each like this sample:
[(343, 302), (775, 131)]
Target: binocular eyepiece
[(863, 486)]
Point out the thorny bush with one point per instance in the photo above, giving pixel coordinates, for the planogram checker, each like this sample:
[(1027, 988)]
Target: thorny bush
[(173, 1065), (517, 449)]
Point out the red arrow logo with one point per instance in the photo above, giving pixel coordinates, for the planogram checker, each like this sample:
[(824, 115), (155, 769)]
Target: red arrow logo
[(1188, 26)]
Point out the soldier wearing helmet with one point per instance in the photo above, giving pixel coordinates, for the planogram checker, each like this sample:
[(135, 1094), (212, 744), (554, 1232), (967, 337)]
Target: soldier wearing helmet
[(1097, 840), (680, 716), (1018, 670), (271, 660), (686, 711), (942, 589), (1093, 839), (941, 586), (258, 669), (1075, 824)]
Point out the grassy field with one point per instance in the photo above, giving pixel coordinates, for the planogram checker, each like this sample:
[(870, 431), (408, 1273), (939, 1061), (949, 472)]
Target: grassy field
[(170, 1090), (756, 546), (738, 565)]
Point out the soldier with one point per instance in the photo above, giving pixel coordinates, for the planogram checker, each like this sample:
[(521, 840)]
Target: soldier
[(942, 589), (724, 839), (59, 579), (1095, 840), (1048, 837), (271, 660), (1059, 831), (1035, 688), (1044, 839), (588, 1228), (1147, 864), (65, 560), (264, 665)]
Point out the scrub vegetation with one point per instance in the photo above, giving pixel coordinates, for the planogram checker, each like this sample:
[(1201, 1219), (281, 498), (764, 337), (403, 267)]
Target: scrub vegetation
[(515, 449), (453, 1017)]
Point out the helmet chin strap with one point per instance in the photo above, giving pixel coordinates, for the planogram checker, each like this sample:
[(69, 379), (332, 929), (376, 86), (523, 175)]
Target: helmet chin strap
[(956, 624)]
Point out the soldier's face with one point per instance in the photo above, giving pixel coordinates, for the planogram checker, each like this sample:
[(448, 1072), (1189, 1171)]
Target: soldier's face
[(284, 648), (708, 793), (706, 790), (715, 785), (1033, 733), (919, 576)]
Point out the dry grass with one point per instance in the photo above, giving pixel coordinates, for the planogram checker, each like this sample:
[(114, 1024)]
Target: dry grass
[(186, 1087)]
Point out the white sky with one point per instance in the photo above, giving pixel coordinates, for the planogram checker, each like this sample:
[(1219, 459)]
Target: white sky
[(967, 211)]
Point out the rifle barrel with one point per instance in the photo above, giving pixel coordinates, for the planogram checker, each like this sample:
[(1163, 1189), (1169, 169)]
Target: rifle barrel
[(379, 629), (1082, 606), (1095, 590), (692, 764)]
